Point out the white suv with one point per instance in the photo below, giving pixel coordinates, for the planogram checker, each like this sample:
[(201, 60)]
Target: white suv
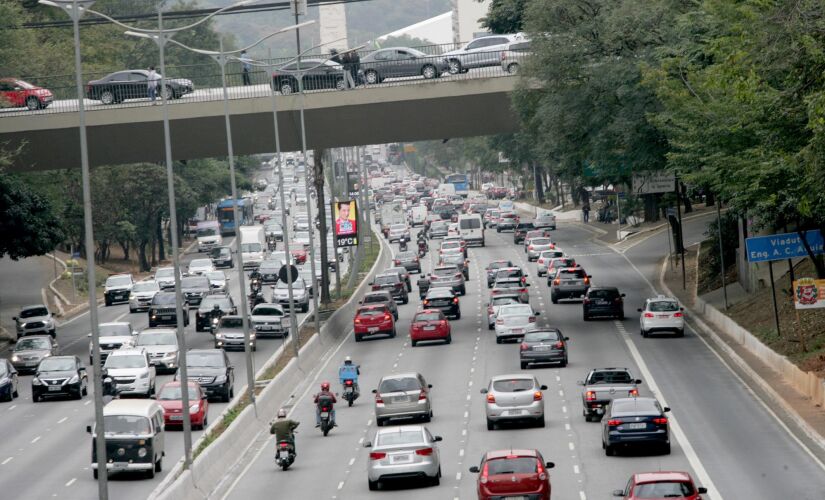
[(662, 314), (131, 371)]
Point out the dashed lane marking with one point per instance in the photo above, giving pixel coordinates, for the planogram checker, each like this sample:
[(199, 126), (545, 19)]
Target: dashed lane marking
[(35, 439), (4, 462), (71, 481), (62, 420)]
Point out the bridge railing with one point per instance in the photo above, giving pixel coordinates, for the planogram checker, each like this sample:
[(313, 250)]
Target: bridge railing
[(202, 82)]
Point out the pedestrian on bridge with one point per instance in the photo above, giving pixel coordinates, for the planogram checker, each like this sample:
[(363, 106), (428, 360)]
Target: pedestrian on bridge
[(247, 66), (152, 80)]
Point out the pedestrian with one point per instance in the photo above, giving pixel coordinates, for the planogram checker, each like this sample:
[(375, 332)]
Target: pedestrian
[(245, 62), (152, 84), (346, 62), (586, 212), (355, 67)]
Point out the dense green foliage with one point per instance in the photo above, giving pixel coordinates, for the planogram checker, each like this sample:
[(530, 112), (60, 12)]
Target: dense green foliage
[(505, 16)]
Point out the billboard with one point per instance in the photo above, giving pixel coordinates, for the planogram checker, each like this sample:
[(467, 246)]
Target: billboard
[(654, 182), (346, 223)]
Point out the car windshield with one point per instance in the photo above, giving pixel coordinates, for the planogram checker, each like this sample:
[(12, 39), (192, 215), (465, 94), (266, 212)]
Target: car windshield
[(495, 265), (550, 336), (540, 241), (399, 385), (664, 306), (507, 284), (398, 227), (427, 316), (117, 330), (664, 489), (210, 300), (126, 424), (438, 225), (267, 311), (118, 281), (219, 252), (164, 299), (373, 298), (602, 294), (270, 266), (513, 385), (503, 301), (204, 359), (371, 311), (25, 344), (127, 361), (440, 293), (302, 235), (174, 393), (200, 263), (297, 285), (207, 231), (146, 286), (216, 276), (231, 322), (521, 465), (251, 247), (56, 365), (167, 272), (610, 378), (388, 279), (157, 338), (34, 312), (194, 282), (452, 244), (398, 438)]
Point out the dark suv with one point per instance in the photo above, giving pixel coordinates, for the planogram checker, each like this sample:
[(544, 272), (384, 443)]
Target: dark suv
[(521, 230), (381, 297), (162, 310), (393, 283), (221, 257), (194, 289), (212, 370), (225, 303), (603, 301), (569, 283)]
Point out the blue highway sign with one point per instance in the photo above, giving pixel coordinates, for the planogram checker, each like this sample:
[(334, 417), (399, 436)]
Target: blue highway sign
[(783, 246)]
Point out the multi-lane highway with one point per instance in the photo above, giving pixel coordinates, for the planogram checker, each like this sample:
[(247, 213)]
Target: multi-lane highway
[(46, 453), (725, 437)]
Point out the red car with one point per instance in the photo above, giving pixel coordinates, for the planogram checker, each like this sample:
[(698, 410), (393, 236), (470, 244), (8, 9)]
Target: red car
[(660, 485), (299, 256), (430, 324), (373, 319), (513, 473), (169, 397), (20, 94)]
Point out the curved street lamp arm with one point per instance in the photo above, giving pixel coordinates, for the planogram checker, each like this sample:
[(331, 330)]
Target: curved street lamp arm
[(172, 30)]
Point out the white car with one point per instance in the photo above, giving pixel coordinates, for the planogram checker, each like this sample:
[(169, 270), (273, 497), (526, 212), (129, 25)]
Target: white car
[(161, 344), (218, 281), (165, 278), (280, 294), (662, 314), (398, 231), (514, 320), (201, 266), (117, 288), (268, 319), (545, 256), (142, 294), (131, 371)]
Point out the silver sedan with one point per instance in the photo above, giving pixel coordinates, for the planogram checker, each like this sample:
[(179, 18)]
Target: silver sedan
[(408, 452), (514, 398), (514, 320), (538, 245)]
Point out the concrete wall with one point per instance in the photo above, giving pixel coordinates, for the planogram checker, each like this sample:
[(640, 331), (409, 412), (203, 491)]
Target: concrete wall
[(469, 12)]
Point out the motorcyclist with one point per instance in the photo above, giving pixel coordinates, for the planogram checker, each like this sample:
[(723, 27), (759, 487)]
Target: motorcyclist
[(284, 428), (325, 392), (216, 312), (255, 280), (402, 244), (349, 371)]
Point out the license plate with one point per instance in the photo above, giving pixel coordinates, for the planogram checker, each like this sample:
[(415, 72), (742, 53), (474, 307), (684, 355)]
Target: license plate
[(635, 426), (541, 348), (429, 328), (514, 412), (518, 330), (176, 417), (324, 414), (31, 363), (400, 459), (54, 388), (372, 329), (400, 399), (166, 317), (663, 315)]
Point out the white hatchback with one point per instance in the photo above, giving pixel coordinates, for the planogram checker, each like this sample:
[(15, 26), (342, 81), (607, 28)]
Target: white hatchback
[(662, 314)]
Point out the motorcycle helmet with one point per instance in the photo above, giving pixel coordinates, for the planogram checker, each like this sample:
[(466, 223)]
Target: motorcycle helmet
[(324, 386), (282, 413), (216, 307), (347, 360)]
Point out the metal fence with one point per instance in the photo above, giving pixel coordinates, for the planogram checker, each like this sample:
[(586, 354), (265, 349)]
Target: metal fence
[(381, 68)]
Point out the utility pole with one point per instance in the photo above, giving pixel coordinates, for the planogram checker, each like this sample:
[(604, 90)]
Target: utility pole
[(318, 159)]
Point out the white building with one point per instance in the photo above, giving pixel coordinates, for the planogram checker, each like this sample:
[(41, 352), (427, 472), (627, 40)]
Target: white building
[(466, 25), (437, 30)]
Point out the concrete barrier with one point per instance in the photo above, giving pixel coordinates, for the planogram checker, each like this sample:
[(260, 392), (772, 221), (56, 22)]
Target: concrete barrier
[(210, 467)]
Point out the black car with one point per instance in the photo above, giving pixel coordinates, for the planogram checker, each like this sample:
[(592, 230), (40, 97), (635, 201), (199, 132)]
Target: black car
[(319, 75), (221, 257), (393, 283), (521, 230), (211, 369), (603, 301), (207, 305), (162, 310), (493, 267), (443, 299), (381, 297), (60, 376), (405, 275), (393, 62), (194, 289), (8, 381), (634, 421), (543, 346), (569, 283), (409, 260), (133, 84)]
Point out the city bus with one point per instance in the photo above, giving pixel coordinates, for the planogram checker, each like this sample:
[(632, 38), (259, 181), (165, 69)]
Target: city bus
[(460, 182), (394, 154), (226, 217)]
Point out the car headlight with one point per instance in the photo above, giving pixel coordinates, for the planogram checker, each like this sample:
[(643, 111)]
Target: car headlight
[(219, 336), (131, 296), (171, 355), (252, 335), (220, 379), (22, 325), (74, 380), (194, 408), (144, 375), (15, 358), (142, 452), (37, 381)]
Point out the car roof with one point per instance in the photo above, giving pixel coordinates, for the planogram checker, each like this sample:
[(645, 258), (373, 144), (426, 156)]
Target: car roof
[(661, 298), (395, 376), (126, 352), (654, 477), (158, 330), (427, 311), (115, 323), (512, 376), (137, 407), (608, 288), (491, 455), (33, 306), (121, 275)]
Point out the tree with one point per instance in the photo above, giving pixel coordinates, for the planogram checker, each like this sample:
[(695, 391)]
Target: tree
[(505, 16)]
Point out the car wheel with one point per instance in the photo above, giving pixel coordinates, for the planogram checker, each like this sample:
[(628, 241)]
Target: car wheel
[(286, 88), (33, 103), (540, 422), (380, 422), (373, 485), (587, 417), (463, 291), (437, 479), (454, 66), (666, 449), (159, 465), (512, 68), (498, 230), (413, 343), (585, 317), (108, 302), (357, 338), (491, 326), (458, 315), (392, 333), (680, 333), (554, 299), (644, 333), (305, 308), (340, 84), (85, 390), (449, 339), (227, 394), (371, 76), (168, 93), (53, 333), (524, 365), (405, 300), (563, 363), (429, 72), (108, 97), (498, 340), (132, 311), (151, 473), (609, 450), (94, 473), (490, 425), (621, 316)]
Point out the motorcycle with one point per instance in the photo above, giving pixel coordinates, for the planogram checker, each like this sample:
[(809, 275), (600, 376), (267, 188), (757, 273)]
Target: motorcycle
[(256, 298), (350, 392), (422, 249), (255, 285), (325, 407), (284, 454), (402, 245)]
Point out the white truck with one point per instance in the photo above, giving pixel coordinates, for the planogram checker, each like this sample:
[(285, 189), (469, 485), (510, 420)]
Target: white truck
[(253, 245), (392, 213), (445, 190), (418, 215), (209, 235)]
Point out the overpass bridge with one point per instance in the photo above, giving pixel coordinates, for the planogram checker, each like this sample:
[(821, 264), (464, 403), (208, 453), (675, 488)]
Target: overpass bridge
[(463, 105)]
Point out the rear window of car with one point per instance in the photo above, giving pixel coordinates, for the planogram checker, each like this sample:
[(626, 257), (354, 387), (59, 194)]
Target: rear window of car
[(429, 316), (664, 489), (503, 301), (516, 310), (386, 279), (195, 282), (473, 223), (520, 465), (399, 385), (398, 438), (634, 405), (541, 336), (603, 294), (513, 385), (610, 378), (372, 311), (540, 241), (445, 271), (664, 306), (578, 274), (509, 273), (376, 298), (495, 265)]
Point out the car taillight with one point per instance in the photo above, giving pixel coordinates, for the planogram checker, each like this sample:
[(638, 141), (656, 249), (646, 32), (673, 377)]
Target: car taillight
[(660, 421), (524, 346), (422, 395), (426, 302), (559, 345), (458, 275), (489, 309), (537, 396), (648, 315), (424, 452), (617, 300), (378, 399), (523, 290), (590, 396), (556, 281), (377, 455), (397, 262), (677, 315), (585, 301), (443, 322), (529, 247), (633, 393), (491, 398), (532, 319), (376, 287), (357, 320), (499, 321), (586, 280), (387, 317), (614, 422), (455, 300)]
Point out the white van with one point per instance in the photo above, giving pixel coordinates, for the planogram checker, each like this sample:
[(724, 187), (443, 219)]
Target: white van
[(253, 245), (209, 235), (418, 214), (471, 228)]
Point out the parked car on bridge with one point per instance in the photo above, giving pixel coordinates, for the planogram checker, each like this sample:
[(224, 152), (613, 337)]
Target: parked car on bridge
[(320, 75), (394, 62), (16, 93), (481, 52), (132, 84), (513, 56)]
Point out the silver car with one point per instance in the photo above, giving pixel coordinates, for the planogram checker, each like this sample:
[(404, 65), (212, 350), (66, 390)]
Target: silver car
[(538, 245), (33, 320), (230, 334), (201, 266), (29, 351), (161, 344), (513, 56), (496, 301), (481, 52), (165, 278), (514, 320), (402, 453), (142, 294), (280, 294), (405, 395), (514, 398), (268, 319), (218, 281), (131, 371), (112, 336), (545, 257)]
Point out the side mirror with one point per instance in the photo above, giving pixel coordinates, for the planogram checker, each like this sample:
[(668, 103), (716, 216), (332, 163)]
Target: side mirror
[(623, 295), (483, 391), (589, 276), (89, 429), (549, 465), (367, 444), (638, 310), (375, 391), (566, 338), (474, 469), (637, 381), (134, 332), (438, 438), (429, 386), (527, 284), (14, 318), (681, 308), (666, 409), (537, 313), (543, 388), (702, 490), (618, 493), (89, 335)]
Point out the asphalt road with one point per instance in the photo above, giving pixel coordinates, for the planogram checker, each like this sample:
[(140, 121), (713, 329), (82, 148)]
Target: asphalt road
[(29, 277), (45, 452), (721, 434)]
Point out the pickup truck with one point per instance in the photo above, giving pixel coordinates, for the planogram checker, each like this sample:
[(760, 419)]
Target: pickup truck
[(603, 385)]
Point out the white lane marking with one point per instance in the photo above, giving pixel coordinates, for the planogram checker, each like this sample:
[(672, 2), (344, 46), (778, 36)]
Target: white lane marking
[(582, 496), (458, 476), (87, 403), (564, 409), (71, 481), (461, 452), (12, 407), (561, 393), (351, 461), (35, 439), (340, 485), (571, 446), (361, 441), (466, 414), (369, 422), (463, 432), (4, 462), (121, 316), (576, 469), (62, 420), (567, 427)]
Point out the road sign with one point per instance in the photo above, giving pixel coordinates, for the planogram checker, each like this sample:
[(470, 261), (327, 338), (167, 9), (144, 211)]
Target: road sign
[(299, 7), (809, 293), (292, 270), (783, 246), (654, 182)]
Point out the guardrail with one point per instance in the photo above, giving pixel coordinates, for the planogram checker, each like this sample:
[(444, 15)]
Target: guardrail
[(202, 82)]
